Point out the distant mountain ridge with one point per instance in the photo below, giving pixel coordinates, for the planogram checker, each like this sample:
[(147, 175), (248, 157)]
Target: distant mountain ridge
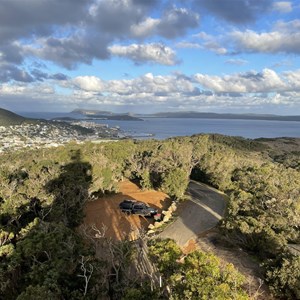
[(91, 112), (208, 115), (185, 114), (8, 118)]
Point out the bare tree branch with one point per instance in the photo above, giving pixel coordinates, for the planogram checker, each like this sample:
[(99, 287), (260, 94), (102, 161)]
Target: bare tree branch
[(87, 270)]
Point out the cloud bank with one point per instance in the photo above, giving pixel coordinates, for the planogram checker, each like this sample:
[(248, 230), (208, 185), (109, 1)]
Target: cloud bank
[(177, 91)]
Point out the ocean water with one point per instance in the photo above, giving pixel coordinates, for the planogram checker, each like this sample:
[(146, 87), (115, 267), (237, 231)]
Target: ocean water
[(162, 128)]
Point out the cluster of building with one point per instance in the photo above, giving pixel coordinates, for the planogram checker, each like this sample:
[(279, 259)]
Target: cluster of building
[(52, 134)]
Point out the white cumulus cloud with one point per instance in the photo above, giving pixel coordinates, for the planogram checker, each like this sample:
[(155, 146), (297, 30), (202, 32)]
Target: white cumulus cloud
[(236, 61), (145, 53), (283, 6), (250, 82), (211, 43), (89, 83), (285, 38), (173, 23)]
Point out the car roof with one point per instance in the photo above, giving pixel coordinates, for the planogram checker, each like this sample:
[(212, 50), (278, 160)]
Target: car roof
[(129, 200), (140, 203)]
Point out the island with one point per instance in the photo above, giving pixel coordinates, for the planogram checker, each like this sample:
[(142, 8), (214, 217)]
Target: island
[(104, 115)]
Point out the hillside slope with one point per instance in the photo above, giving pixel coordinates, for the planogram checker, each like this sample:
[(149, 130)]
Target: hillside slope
[(9, 118)]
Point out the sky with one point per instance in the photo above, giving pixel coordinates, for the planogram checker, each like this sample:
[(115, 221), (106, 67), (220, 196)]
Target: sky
[(145, 56)]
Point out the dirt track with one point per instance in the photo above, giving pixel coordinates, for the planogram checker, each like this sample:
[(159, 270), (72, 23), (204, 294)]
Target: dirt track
[(105, 211), (197, 215)]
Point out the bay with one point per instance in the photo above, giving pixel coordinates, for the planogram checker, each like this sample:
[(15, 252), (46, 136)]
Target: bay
[(162, 128)]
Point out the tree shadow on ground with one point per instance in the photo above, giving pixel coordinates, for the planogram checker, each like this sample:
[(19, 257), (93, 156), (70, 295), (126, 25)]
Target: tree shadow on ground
[(71, 191), (46, 249)]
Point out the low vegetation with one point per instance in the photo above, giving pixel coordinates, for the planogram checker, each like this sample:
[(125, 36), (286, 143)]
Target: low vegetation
[(42, 194), (198, 275)]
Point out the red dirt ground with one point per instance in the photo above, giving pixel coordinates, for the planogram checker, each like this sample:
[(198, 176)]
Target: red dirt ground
[(105, 211)]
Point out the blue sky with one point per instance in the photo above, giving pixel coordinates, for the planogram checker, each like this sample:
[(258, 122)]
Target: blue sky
[(239, 56)]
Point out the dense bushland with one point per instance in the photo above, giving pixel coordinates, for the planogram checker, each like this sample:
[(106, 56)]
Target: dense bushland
[(43, 192)]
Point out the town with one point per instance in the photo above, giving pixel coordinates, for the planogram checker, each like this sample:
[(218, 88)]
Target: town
[(53, 134)]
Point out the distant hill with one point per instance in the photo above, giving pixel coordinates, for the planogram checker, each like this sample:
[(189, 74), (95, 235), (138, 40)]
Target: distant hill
[(121, 117), (90, 112), (125, 117), (9, 118), (208, 115), (104, 115)]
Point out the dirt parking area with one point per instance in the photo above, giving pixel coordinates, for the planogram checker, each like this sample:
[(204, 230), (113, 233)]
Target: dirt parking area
[(105, 211)]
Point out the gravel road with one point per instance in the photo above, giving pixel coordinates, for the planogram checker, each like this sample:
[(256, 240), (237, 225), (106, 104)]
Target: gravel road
[(199, 214)]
